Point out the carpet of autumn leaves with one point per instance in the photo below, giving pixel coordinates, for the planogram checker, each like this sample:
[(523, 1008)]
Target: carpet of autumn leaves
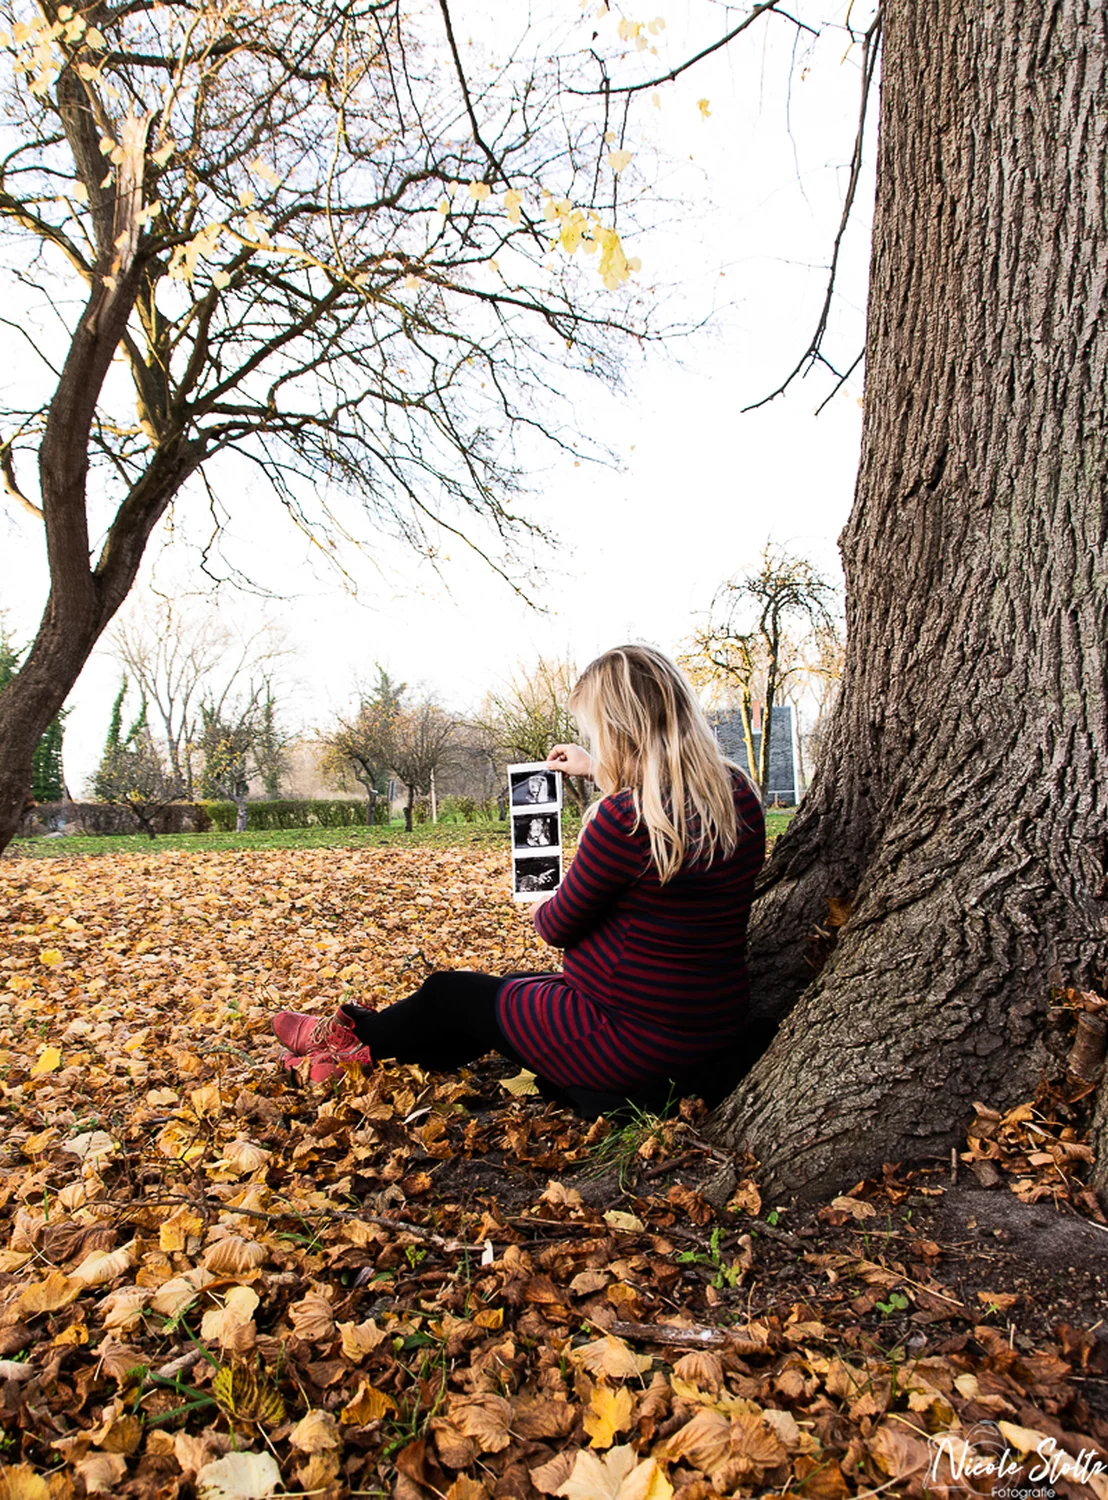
[(214, 1282)]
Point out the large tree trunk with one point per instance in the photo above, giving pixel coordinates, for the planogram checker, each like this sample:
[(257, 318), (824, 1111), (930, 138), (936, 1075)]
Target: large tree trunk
[(961, 801)]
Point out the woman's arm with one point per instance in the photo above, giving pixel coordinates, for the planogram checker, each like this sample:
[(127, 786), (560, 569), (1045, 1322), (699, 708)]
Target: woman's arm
[(607, 861)]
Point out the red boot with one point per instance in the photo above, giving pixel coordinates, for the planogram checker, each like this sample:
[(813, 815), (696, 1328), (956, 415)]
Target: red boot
[(329, 1041)]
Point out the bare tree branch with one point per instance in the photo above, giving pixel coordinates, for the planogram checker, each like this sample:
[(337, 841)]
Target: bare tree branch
[(814, 352), (7, 469)]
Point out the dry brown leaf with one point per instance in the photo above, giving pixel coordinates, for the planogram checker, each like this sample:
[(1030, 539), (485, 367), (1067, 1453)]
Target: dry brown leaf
[(898, 1452), (543, 1418), (368, 1405), (617, 1219), (123, 1308), (243, 1157), (558, 1194), (729, 1451), (102, 1266), (360, 1339), (700, 1368), (21, 1482), (587, 1282), (820, 1479), (233, 1255), (617, 1476), (320, 1473), (312, 1319), (455, 1450), (611, 1357), (1002, 1301), (54, 1291), (232, 1325), (465, 1488), (856, 1207), (746, 1199), (486, 1419), (549, 1477), (316, 1432), (184, 1225), (102, 1472)]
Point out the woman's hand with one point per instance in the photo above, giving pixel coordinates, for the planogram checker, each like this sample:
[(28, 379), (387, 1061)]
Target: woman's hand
[(527, 912), (570, 759)]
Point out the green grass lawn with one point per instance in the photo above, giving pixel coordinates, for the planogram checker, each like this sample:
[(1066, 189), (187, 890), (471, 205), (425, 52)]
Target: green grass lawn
[(440, 834)]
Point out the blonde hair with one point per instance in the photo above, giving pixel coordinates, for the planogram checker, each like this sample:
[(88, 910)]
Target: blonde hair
[(649, 736)]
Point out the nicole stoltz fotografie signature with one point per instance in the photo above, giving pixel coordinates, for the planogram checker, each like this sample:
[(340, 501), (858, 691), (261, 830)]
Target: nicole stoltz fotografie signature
[(1003, 1460)]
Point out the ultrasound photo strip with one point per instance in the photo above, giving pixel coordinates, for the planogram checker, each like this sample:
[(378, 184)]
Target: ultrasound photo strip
[(535, 795)]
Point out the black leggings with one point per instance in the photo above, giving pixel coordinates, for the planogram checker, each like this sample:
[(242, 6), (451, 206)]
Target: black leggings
[(448, 1022), (451, 1020)]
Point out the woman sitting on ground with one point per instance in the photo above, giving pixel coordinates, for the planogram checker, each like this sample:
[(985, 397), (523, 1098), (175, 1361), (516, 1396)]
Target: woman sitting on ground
[(651, 916)]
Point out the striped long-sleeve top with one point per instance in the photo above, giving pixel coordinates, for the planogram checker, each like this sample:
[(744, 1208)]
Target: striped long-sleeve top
[(654, 976)]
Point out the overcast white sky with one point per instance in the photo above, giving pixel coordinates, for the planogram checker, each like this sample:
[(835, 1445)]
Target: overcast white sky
[(699, 488)]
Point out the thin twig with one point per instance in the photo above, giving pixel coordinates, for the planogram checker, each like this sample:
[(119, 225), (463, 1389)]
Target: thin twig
[(690, 62), (813, 351)]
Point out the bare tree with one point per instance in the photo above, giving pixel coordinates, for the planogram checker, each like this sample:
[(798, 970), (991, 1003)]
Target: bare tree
[(314, 244), (753, 641), (815, 685), (362, 744), (524, 719), (239, 742), (422, 746), (180, 652)]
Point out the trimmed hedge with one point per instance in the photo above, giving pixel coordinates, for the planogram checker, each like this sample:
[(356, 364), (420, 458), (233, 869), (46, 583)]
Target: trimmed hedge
[(262, 817)]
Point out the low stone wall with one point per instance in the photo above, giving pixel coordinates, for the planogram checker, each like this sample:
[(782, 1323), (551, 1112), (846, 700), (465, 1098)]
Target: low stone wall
[(58, 819)]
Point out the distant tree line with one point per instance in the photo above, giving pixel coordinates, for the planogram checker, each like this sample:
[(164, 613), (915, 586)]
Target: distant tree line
[(201, 714)]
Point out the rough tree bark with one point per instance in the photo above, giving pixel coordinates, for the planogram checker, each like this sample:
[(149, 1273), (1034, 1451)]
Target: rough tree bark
[(961, 803)]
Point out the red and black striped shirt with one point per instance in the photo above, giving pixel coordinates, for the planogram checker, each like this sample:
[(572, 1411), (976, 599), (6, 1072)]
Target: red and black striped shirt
[(654, 976)]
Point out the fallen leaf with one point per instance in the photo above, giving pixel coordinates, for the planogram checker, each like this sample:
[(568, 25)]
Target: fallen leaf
[(617, 1476), (486, 1419), (368, 1405), (91, 1145), (1002, 1301), (700, 1368), (548, 1478), (54, 1291), (856, 1207), (104, 1265), (608, 1412), (239, 1476), (102, 1472), (465, 1488), (233, 1255), (520, 1085), (241, 1393), (360, 1339), (619, 1220), (316, 1432), (312, 1319), (21, 1482), (611, 1357)]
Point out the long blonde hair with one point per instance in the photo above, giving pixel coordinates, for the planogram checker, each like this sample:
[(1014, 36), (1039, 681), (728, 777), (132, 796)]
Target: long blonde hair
[(649, 736)]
